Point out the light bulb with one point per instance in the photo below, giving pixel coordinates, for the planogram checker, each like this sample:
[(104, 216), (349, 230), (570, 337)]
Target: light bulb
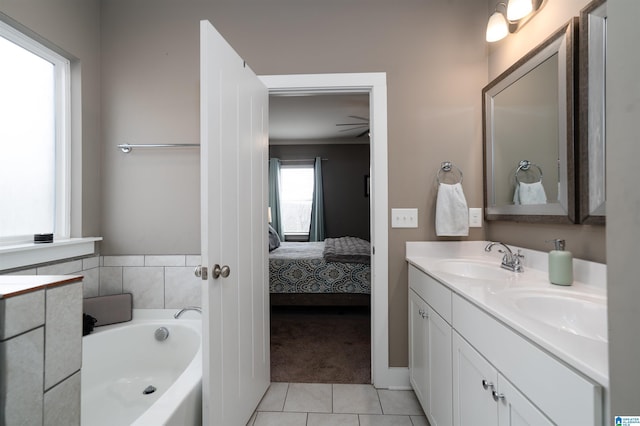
[(518, 9), (497, 27)]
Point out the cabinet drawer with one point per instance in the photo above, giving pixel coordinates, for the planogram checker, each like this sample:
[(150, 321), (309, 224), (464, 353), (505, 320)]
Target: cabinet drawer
[(431, 291), (564, 395)]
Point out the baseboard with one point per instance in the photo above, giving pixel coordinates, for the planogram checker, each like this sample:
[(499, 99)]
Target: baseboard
[(395, 378)]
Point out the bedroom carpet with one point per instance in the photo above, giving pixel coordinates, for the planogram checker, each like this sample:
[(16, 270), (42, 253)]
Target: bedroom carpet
[(320, 345)]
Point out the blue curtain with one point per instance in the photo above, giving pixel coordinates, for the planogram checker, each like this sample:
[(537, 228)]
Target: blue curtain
[(274, 196), (316, 230)]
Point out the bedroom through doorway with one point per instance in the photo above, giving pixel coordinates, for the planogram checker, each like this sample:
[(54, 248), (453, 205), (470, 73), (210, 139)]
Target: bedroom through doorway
[(319, 209)]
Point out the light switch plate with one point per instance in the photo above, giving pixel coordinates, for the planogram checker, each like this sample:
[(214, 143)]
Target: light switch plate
[(404, 218), (475, 217)]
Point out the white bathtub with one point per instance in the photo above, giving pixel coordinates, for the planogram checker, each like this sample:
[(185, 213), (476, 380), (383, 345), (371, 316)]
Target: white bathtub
[(122, 360)]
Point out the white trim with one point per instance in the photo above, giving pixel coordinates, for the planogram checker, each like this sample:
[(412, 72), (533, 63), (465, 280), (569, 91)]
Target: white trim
[(19, 255), (63, 148), (375, 84)]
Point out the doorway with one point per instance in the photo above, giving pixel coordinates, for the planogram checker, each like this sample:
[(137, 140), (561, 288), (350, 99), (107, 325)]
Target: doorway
[(320, 310), (382, 376)]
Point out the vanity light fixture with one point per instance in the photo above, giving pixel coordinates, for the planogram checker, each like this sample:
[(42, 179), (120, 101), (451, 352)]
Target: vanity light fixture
[(498, 27), (514, 14), (518, 9)]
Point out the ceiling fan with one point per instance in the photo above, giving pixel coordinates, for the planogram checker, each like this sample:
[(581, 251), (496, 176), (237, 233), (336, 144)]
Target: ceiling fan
[(362, 125)]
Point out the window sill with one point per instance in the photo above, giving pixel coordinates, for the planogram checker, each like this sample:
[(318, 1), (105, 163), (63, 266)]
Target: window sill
[(19, 255), (296, 237)]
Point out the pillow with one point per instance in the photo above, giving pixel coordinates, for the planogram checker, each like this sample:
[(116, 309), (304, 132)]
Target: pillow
[(274, 239)]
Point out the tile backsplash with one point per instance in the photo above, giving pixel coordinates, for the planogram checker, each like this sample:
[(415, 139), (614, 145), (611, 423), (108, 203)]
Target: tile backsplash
[(156, 282)]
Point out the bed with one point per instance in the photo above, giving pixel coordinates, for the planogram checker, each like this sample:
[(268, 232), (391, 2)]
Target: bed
[(336, 271)]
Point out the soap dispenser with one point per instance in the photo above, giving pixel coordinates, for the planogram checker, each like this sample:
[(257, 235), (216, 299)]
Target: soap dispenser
[(560, 264)]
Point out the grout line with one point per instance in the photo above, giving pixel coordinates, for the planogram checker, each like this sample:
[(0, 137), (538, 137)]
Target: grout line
[(332, 385), (286, 395), (380, 402)]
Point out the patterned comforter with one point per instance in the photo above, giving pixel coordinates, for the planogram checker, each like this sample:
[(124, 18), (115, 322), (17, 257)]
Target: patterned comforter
[(302, 268)]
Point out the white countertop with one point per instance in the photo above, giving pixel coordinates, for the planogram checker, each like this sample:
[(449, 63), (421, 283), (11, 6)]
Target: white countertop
[(15, 285), (589, 356)]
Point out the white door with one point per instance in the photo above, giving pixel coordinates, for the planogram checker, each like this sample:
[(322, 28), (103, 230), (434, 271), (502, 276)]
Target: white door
[(234, 141)]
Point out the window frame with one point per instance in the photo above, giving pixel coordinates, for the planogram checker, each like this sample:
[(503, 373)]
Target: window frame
[(62, 120)]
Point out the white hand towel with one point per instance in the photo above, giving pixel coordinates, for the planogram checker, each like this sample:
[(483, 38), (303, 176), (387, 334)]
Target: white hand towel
[(530, 193), (452, 214)]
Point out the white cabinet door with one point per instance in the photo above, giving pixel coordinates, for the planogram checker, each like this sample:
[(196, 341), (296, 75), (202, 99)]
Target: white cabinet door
[(514, 409), (234, 139), (473, 381), (430, 360), (482, 396), (440, 373), (418, 342)]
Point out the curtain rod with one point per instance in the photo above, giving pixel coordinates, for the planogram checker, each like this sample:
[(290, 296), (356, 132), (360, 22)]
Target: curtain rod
[(301, 160)]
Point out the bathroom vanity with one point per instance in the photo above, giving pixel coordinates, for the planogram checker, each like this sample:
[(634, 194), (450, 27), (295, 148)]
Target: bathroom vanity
[(488, 346), (40, 349)]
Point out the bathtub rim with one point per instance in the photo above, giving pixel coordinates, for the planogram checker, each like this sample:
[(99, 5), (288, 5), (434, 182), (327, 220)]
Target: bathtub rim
[(168, 405)]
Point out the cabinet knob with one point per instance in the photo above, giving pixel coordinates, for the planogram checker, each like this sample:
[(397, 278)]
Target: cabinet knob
[(486, 384), (497, 396)]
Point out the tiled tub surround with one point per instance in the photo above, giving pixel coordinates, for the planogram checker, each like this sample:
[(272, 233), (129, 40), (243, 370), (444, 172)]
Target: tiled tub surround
[(40, 350), (156, 282)]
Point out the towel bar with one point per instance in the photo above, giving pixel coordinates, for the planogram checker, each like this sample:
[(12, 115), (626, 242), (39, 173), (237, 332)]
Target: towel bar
[(525, 165), (127, 148), (447, 166)]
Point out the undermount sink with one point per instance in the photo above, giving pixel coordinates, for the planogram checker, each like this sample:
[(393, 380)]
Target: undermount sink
[(473, 269), (580, 314)]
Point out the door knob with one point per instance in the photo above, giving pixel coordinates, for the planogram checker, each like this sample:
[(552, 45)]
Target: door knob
[(223, 271)]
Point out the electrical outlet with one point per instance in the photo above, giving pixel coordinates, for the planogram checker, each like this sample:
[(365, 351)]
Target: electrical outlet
[(404, 218), (475, 217)]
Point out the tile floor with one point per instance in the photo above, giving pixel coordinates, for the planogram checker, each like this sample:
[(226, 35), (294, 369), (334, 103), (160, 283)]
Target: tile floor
[(317, 404)]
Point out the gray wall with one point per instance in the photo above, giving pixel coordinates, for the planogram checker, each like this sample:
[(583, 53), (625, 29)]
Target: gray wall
[(623, 200), (346, 209), (434, 55), (74, 27)]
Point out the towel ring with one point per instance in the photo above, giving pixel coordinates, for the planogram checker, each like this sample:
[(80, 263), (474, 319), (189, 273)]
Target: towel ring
[(525, 165), (447, 167)]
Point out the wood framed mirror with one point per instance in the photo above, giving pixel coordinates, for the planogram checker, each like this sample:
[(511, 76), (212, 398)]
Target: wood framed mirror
[(529, 132), (592, 130)]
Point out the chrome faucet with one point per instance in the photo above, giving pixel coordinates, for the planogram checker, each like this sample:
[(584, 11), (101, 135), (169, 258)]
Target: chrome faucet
[(188, 308), (510, 260)]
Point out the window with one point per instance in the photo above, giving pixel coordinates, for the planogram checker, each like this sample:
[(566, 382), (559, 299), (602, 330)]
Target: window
[(296, 193), (34, 139)]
